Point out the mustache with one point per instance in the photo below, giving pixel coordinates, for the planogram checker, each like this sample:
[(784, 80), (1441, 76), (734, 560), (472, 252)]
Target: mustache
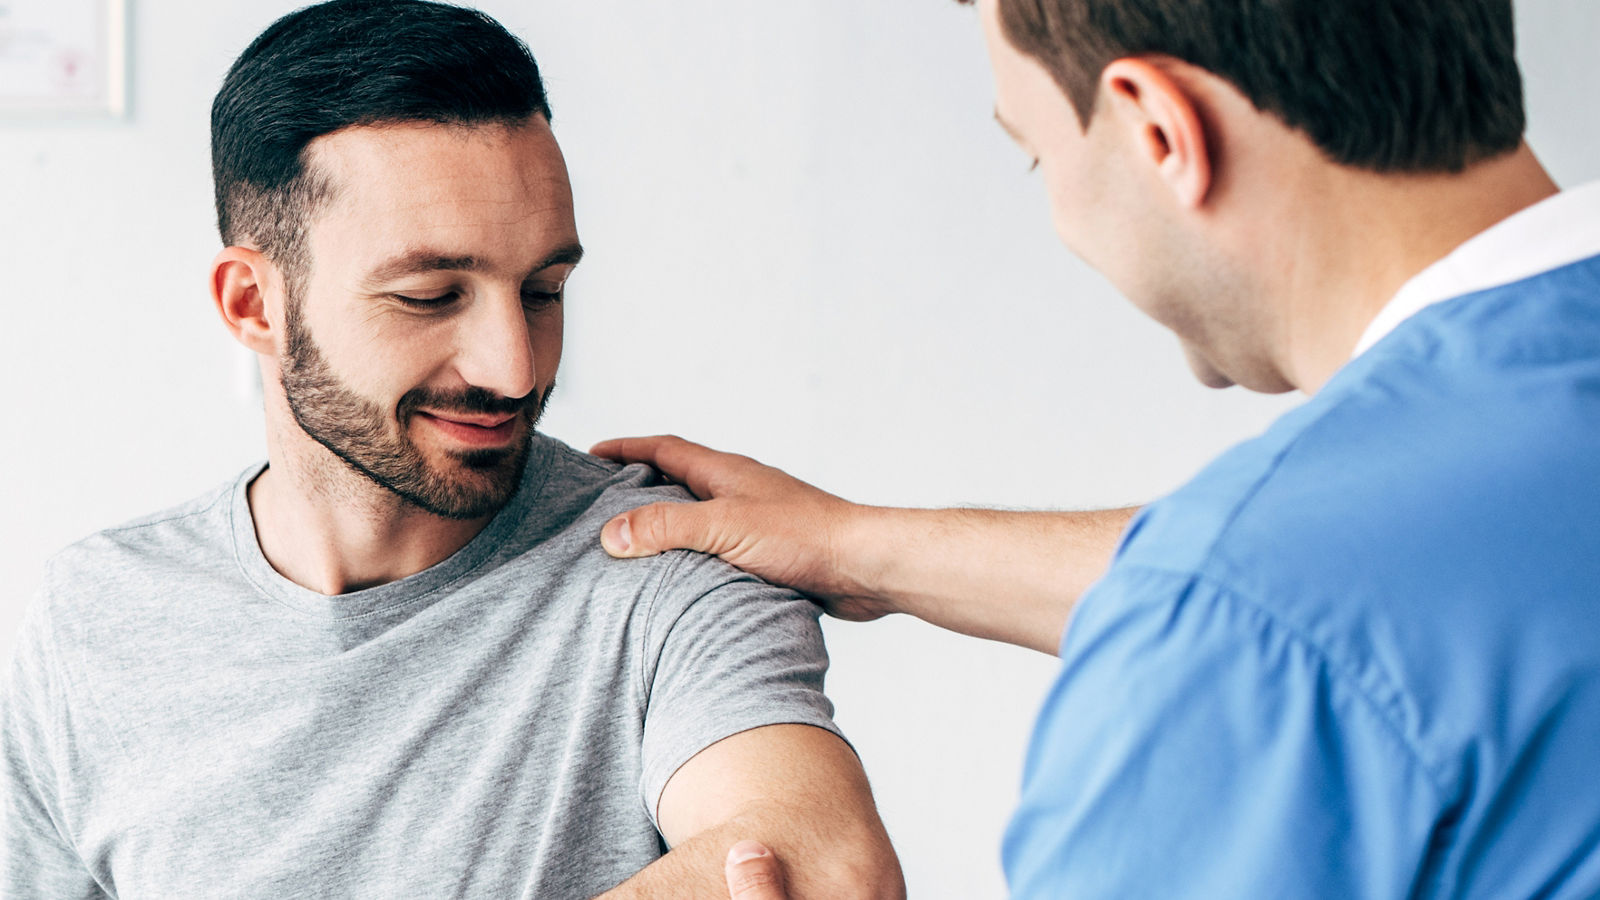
[(472, 400)]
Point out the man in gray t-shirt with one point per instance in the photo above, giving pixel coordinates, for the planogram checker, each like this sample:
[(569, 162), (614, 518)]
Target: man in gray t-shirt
[(184, 721), (394, 661)]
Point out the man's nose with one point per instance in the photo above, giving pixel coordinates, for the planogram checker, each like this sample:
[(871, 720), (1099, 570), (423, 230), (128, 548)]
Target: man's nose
[(495, 347)]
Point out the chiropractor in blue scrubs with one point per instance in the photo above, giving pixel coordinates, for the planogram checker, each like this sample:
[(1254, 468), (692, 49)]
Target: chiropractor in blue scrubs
[(1359, 655)]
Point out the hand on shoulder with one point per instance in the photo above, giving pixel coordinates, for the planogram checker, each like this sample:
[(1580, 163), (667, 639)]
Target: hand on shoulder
[(756, 517)]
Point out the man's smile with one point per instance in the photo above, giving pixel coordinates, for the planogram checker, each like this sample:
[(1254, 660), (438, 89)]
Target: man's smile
[(479, 430)]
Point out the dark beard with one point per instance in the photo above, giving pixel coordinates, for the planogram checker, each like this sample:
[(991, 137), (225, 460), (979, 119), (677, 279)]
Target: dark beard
[(358, 431)]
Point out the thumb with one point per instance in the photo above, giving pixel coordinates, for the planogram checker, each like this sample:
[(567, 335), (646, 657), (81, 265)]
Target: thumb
[(657, 528), (753, 873)]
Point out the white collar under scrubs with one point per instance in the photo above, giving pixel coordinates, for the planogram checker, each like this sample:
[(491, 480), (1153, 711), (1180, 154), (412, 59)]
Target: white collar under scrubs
[(1550, 234)]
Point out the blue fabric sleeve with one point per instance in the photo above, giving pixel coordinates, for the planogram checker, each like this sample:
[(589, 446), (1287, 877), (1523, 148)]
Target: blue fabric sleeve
[(1193, 746)]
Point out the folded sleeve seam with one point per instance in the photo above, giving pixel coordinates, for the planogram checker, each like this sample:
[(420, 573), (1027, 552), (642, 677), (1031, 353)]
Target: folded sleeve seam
[(1344, 675)]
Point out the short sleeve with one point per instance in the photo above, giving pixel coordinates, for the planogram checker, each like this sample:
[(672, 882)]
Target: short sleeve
[(36, 860), (1193, 746), (725, 653)]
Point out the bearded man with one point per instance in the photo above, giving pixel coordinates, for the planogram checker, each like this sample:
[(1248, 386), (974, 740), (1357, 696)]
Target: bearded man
[(392, 660)]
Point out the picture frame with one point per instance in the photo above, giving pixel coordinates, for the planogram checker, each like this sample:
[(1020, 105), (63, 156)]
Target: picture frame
[(63, 58)]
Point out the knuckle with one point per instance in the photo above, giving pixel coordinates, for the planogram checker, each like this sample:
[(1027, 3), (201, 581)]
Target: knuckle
[(650, 523), (753, 879), (671, 449)]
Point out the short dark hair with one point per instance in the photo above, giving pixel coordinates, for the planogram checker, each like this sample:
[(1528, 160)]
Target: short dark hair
[(1385, 85), (344, 63)]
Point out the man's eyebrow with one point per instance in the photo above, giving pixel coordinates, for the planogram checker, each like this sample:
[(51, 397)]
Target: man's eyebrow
[(416, 262), (570, 255)]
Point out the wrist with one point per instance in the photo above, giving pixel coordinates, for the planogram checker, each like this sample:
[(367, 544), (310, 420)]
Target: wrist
[(868, 549)]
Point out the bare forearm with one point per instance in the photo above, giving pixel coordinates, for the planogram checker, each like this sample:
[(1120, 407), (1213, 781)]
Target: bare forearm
[(819, 863), (691, 870), (1006, 576)]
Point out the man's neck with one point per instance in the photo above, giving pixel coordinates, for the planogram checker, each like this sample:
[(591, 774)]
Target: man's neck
[(333, 531), (1370, 234)]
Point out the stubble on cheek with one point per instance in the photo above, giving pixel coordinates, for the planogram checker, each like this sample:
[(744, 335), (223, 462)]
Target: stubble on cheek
[(380, 446)]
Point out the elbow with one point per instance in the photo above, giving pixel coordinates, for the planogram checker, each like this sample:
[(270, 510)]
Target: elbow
[(861, 873), (886, 886)]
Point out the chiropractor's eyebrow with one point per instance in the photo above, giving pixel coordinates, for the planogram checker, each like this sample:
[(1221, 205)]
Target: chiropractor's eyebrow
[(419, 261), (1007, 126)]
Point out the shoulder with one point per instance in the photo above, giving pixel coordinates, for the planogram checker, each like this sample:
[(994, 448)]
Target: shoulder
[(1300, 470), (580, 493), (92, 610), (1474, 422), (1342, 527), (90, 575), (1386, 595), (1385, 524), (583, 486)]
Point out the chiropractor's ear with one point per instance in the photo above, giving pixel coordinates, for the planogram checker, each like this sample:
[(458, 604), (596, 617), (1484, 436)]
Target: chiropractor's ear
[(1163, 124), (241, 279)]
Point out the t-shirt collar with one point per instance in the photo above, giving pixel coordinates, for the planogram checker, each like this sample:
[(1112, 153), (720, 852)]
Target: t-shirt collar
[(406, 591), (1550, 234)]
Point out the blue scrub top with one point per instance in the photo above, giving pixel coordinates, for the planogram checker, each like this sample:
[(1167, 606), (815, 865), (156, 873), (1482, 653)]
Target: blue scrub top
[(1358, 656)]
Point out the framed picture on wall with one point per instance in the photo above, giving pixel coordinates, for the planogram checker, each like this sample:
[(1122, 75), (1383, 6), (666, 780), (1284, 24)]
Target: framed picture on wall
[(63, 57)]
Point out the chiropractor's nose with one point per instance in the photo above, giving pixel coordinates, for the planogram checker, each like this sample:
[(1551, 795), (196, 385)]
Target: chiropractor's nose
[(495, 347)]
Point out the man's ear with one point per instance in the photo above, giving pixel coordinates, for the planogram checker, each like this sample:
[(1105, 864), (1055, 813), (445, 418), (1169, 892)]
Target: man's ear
[(1164, 124), (240, 278)]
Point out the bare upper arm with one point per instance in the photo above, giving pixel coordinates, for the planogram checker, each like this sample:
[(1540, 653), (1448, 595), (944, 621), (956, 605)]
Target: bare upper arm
[(799, 790), (800, 767)]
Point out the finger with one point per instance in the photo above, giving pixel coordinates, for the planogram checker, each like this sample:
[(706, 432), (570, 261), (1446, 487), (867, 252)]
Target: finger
[(695, 466), (638, 449), (753, 873), (660, 527)]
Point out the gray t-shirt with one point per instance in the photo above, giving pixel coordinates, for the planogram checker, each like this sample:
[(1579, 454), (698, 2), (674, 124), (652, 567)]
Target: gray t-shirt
[(181, 721)]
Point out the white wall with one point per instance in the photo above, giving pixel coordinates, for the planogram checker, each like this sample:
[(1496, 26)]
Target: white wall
[(808, 242)]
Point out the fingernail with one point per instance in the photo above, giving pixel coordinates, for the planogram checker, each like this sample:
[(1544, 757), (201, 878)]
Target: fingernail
[(624, 537), (744, 851)]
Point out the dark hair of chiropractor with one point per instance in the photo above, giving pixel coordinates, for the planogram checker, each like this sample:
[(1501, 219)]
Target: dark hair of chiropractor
[(341, 64), (1384, 85)]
